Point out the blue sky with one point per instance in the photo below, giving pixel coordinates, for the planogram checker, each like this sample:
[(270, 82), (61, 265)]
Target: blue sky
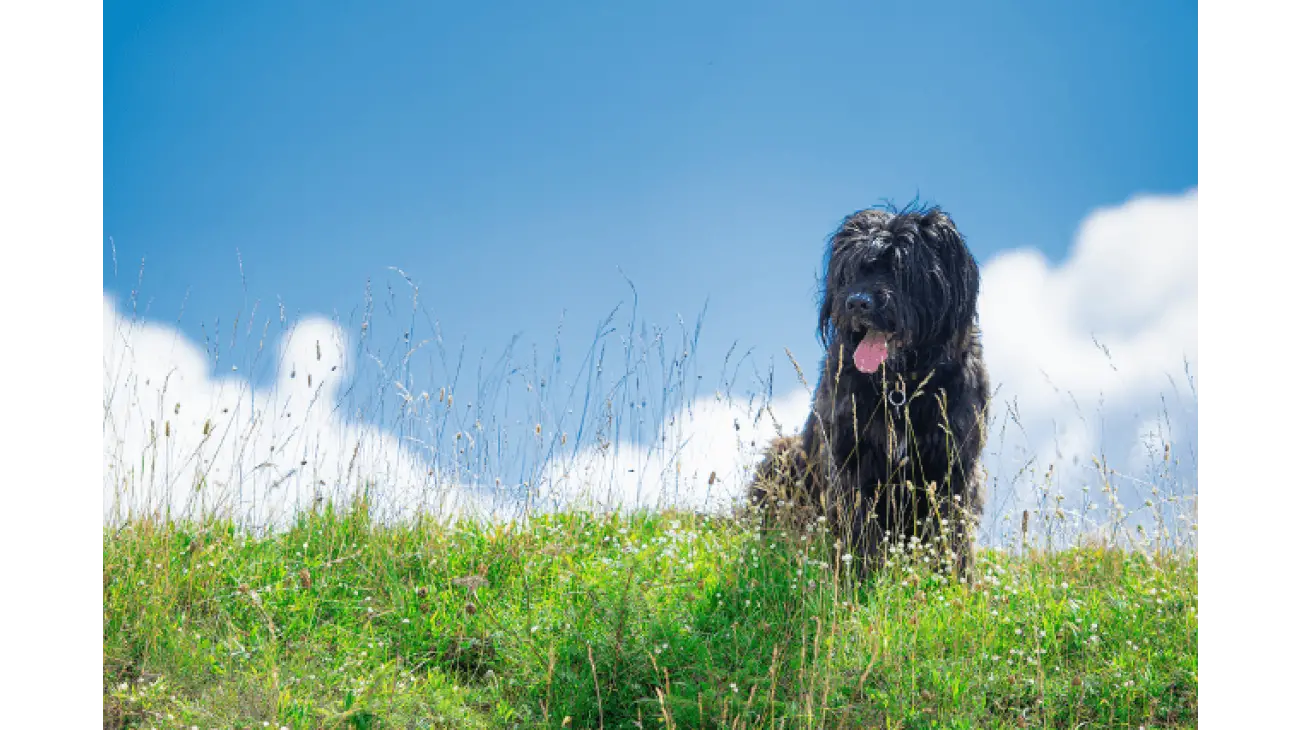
[(513, 157)]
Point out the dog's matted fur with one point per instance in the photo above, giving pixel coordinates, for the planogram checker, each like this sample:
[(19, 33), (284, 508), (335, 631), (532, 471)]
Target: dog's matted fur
[(890, 451)]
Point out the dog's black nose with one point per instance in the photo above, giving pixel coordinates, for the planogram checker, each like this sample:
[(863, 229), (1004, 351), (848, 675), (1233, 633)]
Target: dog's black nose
[(859, 304)]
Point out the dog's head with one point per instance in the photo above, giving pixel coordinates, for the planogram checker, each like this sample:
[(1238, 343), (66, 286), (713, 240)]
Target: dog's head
[(896, 283)]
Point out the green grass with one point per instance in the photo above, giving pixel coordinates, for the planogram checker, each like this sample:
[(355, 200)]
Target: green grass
[(654, 620)]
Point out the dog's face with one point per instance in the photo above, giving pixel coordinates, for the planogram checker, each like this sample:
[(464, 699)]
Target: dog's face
[(896, 282)]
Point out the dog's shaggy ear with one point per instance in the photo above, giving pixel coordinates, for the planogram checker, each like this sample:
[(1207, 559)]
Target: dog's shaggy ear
[(955, 258), (825, 327), (825, 330), (823, 322)]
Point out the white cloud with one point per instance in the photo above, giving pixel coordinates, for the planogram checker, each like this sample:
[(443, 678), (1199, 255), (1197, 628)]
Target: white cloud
[(1084, 352), (181, 438), (1088, 355), (701, 460)]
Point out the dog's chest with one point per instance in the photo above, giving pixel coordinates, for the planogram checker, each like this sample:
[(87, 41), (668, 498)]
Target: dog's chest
[(887, 435)]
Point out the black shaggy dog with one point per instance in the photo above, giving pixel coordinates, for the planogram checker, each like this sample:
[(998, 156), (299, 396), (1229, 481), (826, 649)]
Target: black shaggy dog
[(890, 450)]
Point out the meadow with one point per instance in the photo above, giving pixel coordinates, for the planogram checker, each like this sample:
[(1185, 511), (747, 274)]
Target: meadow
[(317, 594)]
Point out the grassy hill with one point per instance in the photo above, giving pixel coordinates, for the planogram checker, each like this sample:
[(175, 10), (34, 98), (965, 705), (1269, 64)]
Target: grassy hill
[(621, 621)]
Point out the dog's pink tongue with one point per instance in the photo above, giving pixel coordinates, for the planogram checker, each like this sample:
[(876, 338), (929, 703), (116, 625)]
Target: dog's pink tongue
[(871, 352)]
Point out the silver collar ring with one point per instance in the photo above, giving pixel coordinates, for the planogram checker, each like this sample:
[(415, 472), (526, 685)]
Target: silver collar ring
[(897, 398)]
